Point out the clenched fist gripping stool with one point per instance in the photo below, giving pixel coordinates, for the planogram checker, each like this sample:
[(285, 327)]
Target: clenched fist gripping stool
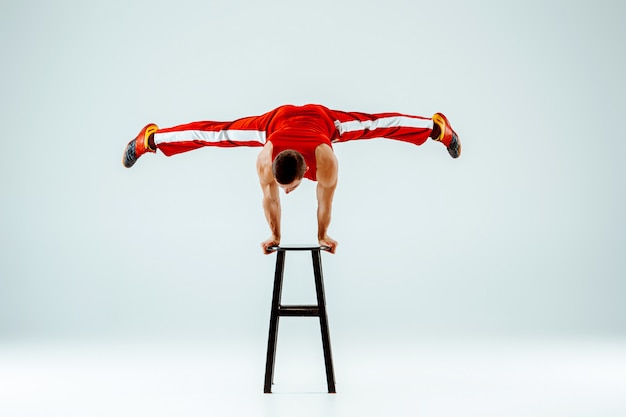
[(297, 142)]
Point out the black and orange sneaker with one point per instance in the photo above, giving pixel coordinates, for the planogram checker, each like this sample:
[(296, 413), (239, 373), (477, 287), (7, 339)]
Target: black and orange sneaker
[(447, 136), (139, 145)]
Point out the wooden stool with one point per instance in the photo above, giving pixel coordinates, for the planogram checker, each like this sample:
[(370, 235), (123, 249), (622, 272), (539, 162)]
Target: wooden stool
[(279, 310)]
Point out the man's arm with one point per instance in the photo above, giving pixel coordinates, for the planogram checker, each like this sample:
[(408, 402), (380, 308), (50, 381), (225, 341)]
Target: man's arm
[(271, 197), (327, 170)]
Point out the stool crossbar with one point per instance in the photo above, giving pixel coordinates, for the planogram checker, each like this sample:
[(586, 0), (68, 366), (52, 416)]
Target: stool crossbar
[(279, 310)]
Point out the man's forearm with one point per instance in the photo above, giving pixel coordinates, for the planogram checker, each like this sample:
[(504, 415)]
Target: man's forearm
[(272, 215), (324, 209), (323, 221)]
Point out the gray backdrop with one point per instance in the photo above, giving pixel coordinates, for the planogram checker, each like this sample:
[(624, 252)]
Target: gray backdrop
[(522, 236)]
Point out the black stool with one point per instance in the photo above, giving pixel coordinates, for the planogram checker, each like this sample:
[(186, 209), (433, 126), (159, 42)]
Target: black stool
[(279, 310)]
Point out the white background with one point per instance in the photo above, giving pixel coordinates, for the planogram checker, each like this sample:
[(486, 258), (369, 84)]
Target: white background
[(522, 238)]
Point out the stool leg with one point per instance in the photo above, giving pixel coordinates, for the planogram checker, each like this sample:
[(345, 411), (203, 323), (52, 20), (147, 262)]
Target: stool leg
[(273, 332), (321, 302)]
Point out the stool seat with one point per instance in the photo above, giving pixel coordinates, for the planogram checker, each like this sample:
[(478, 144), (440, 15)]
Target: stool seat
[(297, 247), (278, 310)]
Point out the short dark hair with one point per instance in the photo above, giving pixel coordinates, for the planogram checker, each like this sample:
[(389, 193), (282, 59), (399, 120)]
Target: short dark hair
[(288, 166)]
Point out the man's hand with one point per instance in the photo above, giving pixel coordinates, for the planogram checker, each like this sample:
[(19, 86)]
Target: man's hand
[(327, 241), (272, 241)]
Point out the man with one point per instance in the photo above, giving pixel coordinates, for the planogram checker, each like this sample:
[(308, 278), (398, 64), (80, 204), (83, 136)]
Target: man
[(297, 143)]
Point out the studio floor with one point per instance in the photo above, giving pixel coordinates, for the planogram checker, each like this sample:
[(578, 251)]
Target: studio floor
[(439, 379)]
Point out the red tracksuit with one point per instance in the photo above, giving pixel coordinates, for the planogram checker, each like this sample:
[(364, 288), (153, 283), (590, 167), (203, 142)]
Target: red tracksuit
[(301, 128)]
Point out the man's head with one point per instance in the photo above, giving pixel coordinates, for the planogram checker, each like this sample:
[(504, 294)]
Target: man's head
[(288, 169)]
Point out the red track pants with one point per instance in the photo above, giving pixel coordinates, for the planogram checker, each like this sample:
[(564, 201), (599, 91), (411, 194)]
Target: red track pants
[(337, 126)]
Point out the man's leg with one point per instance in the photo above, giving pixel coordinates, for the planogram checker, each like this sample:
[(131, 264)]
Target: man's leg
[(396, 126), (249, 131), (187, 137)]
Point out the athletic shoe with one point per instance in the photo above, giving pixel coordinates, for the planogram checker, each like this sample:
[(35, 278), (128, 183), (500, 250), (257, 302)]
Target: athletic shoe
[(447, 136), (139, 146)]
